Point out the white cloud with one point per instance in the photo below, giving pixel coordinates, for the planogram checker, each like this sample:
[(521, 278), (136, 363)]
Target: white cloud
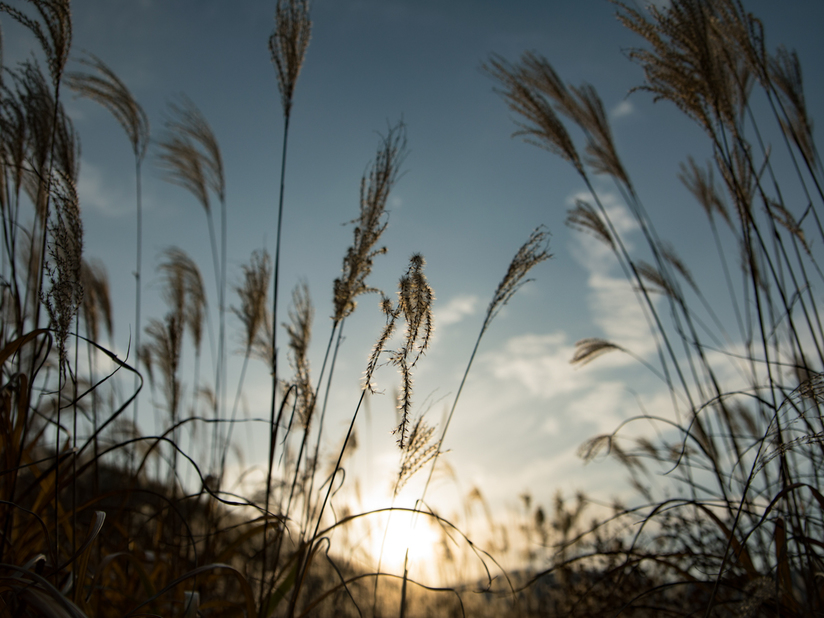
[(538, 362), (616, 310), (612, 303), (624, 108), (456, 310), (94, 193)]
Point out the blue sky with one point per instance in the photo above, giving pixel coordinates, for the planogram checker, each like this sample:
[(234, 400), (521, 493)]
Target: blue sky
[(468, 199)]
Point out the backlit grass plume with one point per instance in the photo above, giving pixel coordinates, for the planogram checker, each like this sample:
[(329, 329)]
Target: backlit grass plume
[(96, 305), (187, 123), (63, 266), (287, 49), (299, 330), (54, 33), (104, 87), (415, 297), (531, 253), (254, 316), (419, 450), (371, 223), (540, 124), (287, 46), (253, 296), (695, 58), (183, 291)]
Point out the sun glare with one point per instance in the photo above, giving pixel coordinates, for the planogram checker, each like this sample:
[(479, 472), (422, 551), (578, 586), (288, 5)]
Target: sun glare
[(392, 534)]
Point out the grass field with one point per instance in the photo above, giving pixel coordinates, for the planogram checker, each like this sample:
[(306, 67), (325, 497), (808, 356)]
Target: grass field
[(102, 518)]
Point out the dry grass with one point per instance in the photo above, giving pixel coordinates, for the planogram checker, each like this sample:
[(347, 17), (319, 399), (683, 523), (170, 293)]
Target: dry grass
[(97, 521)]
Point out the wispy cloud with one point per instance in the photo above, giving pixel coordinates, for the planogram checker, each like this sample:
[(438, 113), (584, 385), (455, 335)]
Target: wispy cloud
[(624, 108), (611, 299), (539, 363), (456, 310), (94, 193)]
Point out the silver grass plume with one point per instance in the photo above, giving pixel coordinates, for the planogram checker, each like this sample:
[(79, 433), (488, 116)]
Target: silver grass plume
[(585, 218), (600, 148), (299, 329), (785, 74), (184, 167), (543, 127), (371, 223), (105, 88), (531, 253), (587, 350), (253, 292), (583, 106), (287, 46), (415, 298), (64, 261), (42, 137), (184, 292), (702, 185), (694, 58), (54, 33), (419, 450), (165, 340), (190, 153)]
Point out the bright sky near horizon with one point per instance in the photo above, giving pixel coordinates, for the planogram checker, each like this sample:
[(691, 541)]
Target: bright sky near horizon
[(469, 197)]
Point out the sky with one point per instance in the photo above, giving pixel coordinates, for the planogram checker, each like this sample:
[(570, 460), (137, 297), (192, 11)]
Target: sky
[(468, 198)]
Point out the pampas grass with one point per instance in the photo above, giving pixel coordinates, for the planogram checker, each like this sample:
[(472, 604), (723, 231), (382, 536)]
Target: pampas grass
[(706, 543), (99, 517)]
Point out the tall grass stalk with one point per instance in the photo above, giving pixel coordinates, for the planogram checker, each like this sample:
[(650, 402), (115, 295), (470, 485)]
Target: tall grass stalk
[(287, 47), (103, 86)]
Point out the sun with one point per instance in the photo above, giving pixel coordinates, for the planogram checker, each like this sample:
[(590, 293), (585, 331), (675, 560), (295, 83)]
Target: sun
[(394, 533)]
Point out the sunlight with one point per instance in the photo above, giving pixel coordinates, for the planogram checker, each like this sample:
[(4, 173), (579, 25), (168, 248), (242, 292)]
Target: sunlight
[(388, 536), (404, 533)]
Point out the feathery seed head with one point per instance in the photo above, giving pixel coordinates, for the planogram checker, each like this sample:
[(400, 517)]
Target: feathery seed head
[(785, 74), (184, 291), (370, 225), (184, 167), (96, 299), (587, 350), (165, 340), (524, 96), (697, 58), (584, 217), (253, 294), (64, 264), (301, 314), (33, 105), (532, 252), (55, 38), (107, 89), (418, 451), (415, 298), (287, 46), (701, 184), (189, 153)]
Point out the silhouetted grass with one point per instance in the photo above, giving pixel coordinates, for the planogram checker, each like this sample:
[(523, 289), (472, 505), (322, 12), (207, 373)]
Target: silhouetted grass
[(97, 521)]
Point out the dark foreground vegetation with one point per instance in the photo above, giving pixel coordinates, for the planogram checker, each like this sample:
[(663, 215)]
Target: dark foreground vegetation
[(96, 520)]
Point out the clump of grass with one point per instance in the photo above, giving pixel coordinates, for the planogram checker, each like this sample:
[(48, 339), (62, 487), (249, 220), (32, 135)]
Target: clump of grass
[(742, 458)]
